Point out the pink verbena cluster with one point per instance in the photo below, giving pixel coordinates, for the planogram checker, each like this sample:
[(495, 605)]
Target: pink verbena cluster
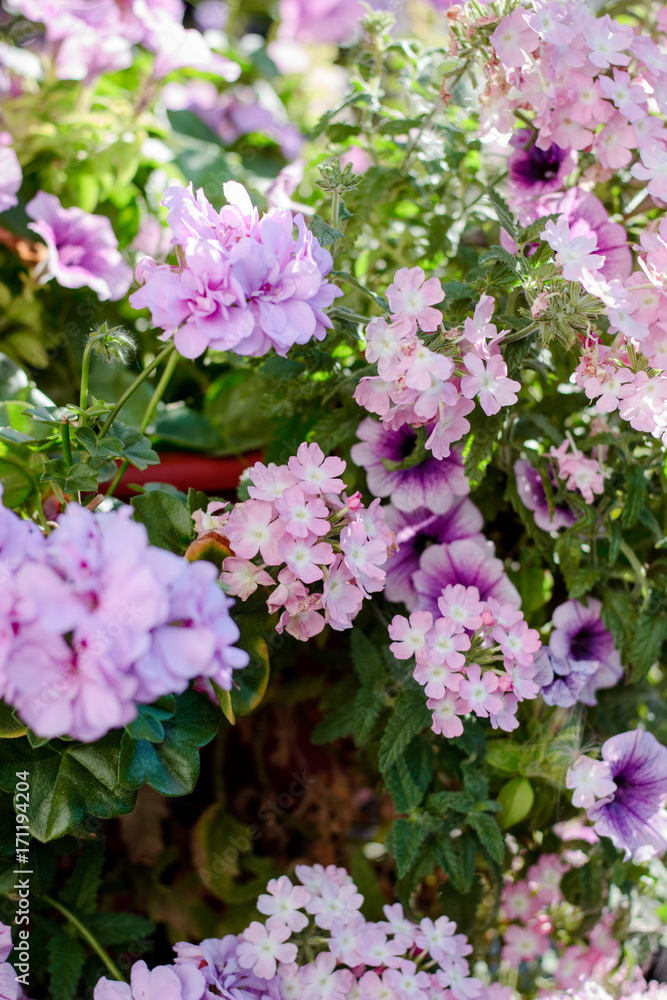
[(242, 284), (419, 386), (94, 620), (587, 82), (316, 945), (475, 659), (536, 920), (298, 518)]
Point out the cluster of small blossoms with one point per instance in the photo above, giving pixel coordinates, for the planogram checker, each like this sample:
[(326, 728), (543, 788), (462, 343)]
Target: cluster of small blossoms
[(425, 388), (298, 518), (316, 945), (477, 658), (242, 284), (537, 920), (94, 620), (624, 793), (587, 83)]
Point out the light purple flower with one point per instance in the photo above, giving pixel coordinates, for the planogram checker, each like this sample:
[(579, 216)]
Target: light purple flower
[(415, 532), (244, 284), (165, 982), (581, 638), (535, 171), (531, 492), (319, 20), (633, 817), (10, 174), (467, 562), (432, 483), (561, 681), (82, 248), (217, 960)]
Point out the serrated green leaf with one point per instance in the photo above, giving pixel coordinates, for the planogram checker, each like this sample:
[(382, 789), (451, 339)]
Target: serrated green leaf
[(324, 233), (368, 705), (503, 213), (65, 964), (501, 255), (650, 633), (635, 495), (119, 930), (80, 892), (406, 838), (489, 835), (366, 659), (337, 724), (71, 480), (410, 717), (457, 856)]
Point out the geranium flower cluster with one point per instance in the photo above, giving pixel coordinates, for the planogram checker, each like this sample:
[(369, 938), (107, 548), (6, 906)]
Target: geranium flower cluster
[(86, 38), (426, 388), (476, 658), (536, 920), (580, 658), (315, 945), (624, 793), (299, 518), (590, 83), (242, 284), (94, 620)]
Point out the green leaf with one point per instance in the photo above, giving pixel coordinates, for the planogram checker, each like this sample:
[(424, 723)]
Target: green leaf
[(635, 495), (583, 886), (335, 725), (136, 447), (499, 254), (80, 892), (366, 659), (649, 635), (404, 841), (584, 580), (71, 480), (166, 518), (503, 213), (324, 233), (11, 726), (250, 683), (225, 702), (120, 929), (457, 856), (410, 717), (67, 781), (456, 290), (516, 798), (171, 767), (148, 724), (65, 964), (408, 779), (489, 835), (197, 501)]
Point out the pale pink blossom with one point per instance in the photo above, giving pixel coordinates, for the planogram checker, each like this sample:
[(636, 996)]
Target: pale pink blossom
[(489, 383), (590, 780), (411, 297)]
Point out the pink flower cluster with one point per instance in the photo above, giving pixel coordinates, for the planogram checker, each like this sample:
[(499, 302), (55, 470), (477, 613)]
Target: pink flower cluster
[(588, 83), (88, 37), (535, 922), (416, 385), (243, 284), (477, 658), (298, 518), (94, 620), (316, 945)]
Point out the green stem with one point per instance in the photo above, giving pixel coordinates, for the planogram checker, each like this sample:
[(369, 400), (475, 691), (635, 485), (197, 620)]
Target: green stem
[(158, 393), (85, 374), (87, 937), (131, 389), (67, 445)]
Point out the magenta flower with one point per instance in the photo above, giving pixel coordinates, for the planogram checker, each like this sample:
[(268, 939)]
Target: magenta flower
[(535, 171), (463, 562), (632, 816), (82, 248)]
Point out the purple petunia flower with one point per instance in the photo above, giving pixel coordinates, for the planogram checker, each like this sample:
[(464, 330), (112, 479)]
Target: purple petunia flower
[(82, 248), (165, 982), (432, 484), (531, 492), (10, 173), (581, 657), (415, 532), (468, 562), (633, 817), (534, 171)]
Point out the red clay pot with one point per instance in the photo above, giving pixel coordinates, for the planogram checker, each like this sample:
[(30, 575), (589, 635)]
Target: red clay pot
[(185, 469)]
